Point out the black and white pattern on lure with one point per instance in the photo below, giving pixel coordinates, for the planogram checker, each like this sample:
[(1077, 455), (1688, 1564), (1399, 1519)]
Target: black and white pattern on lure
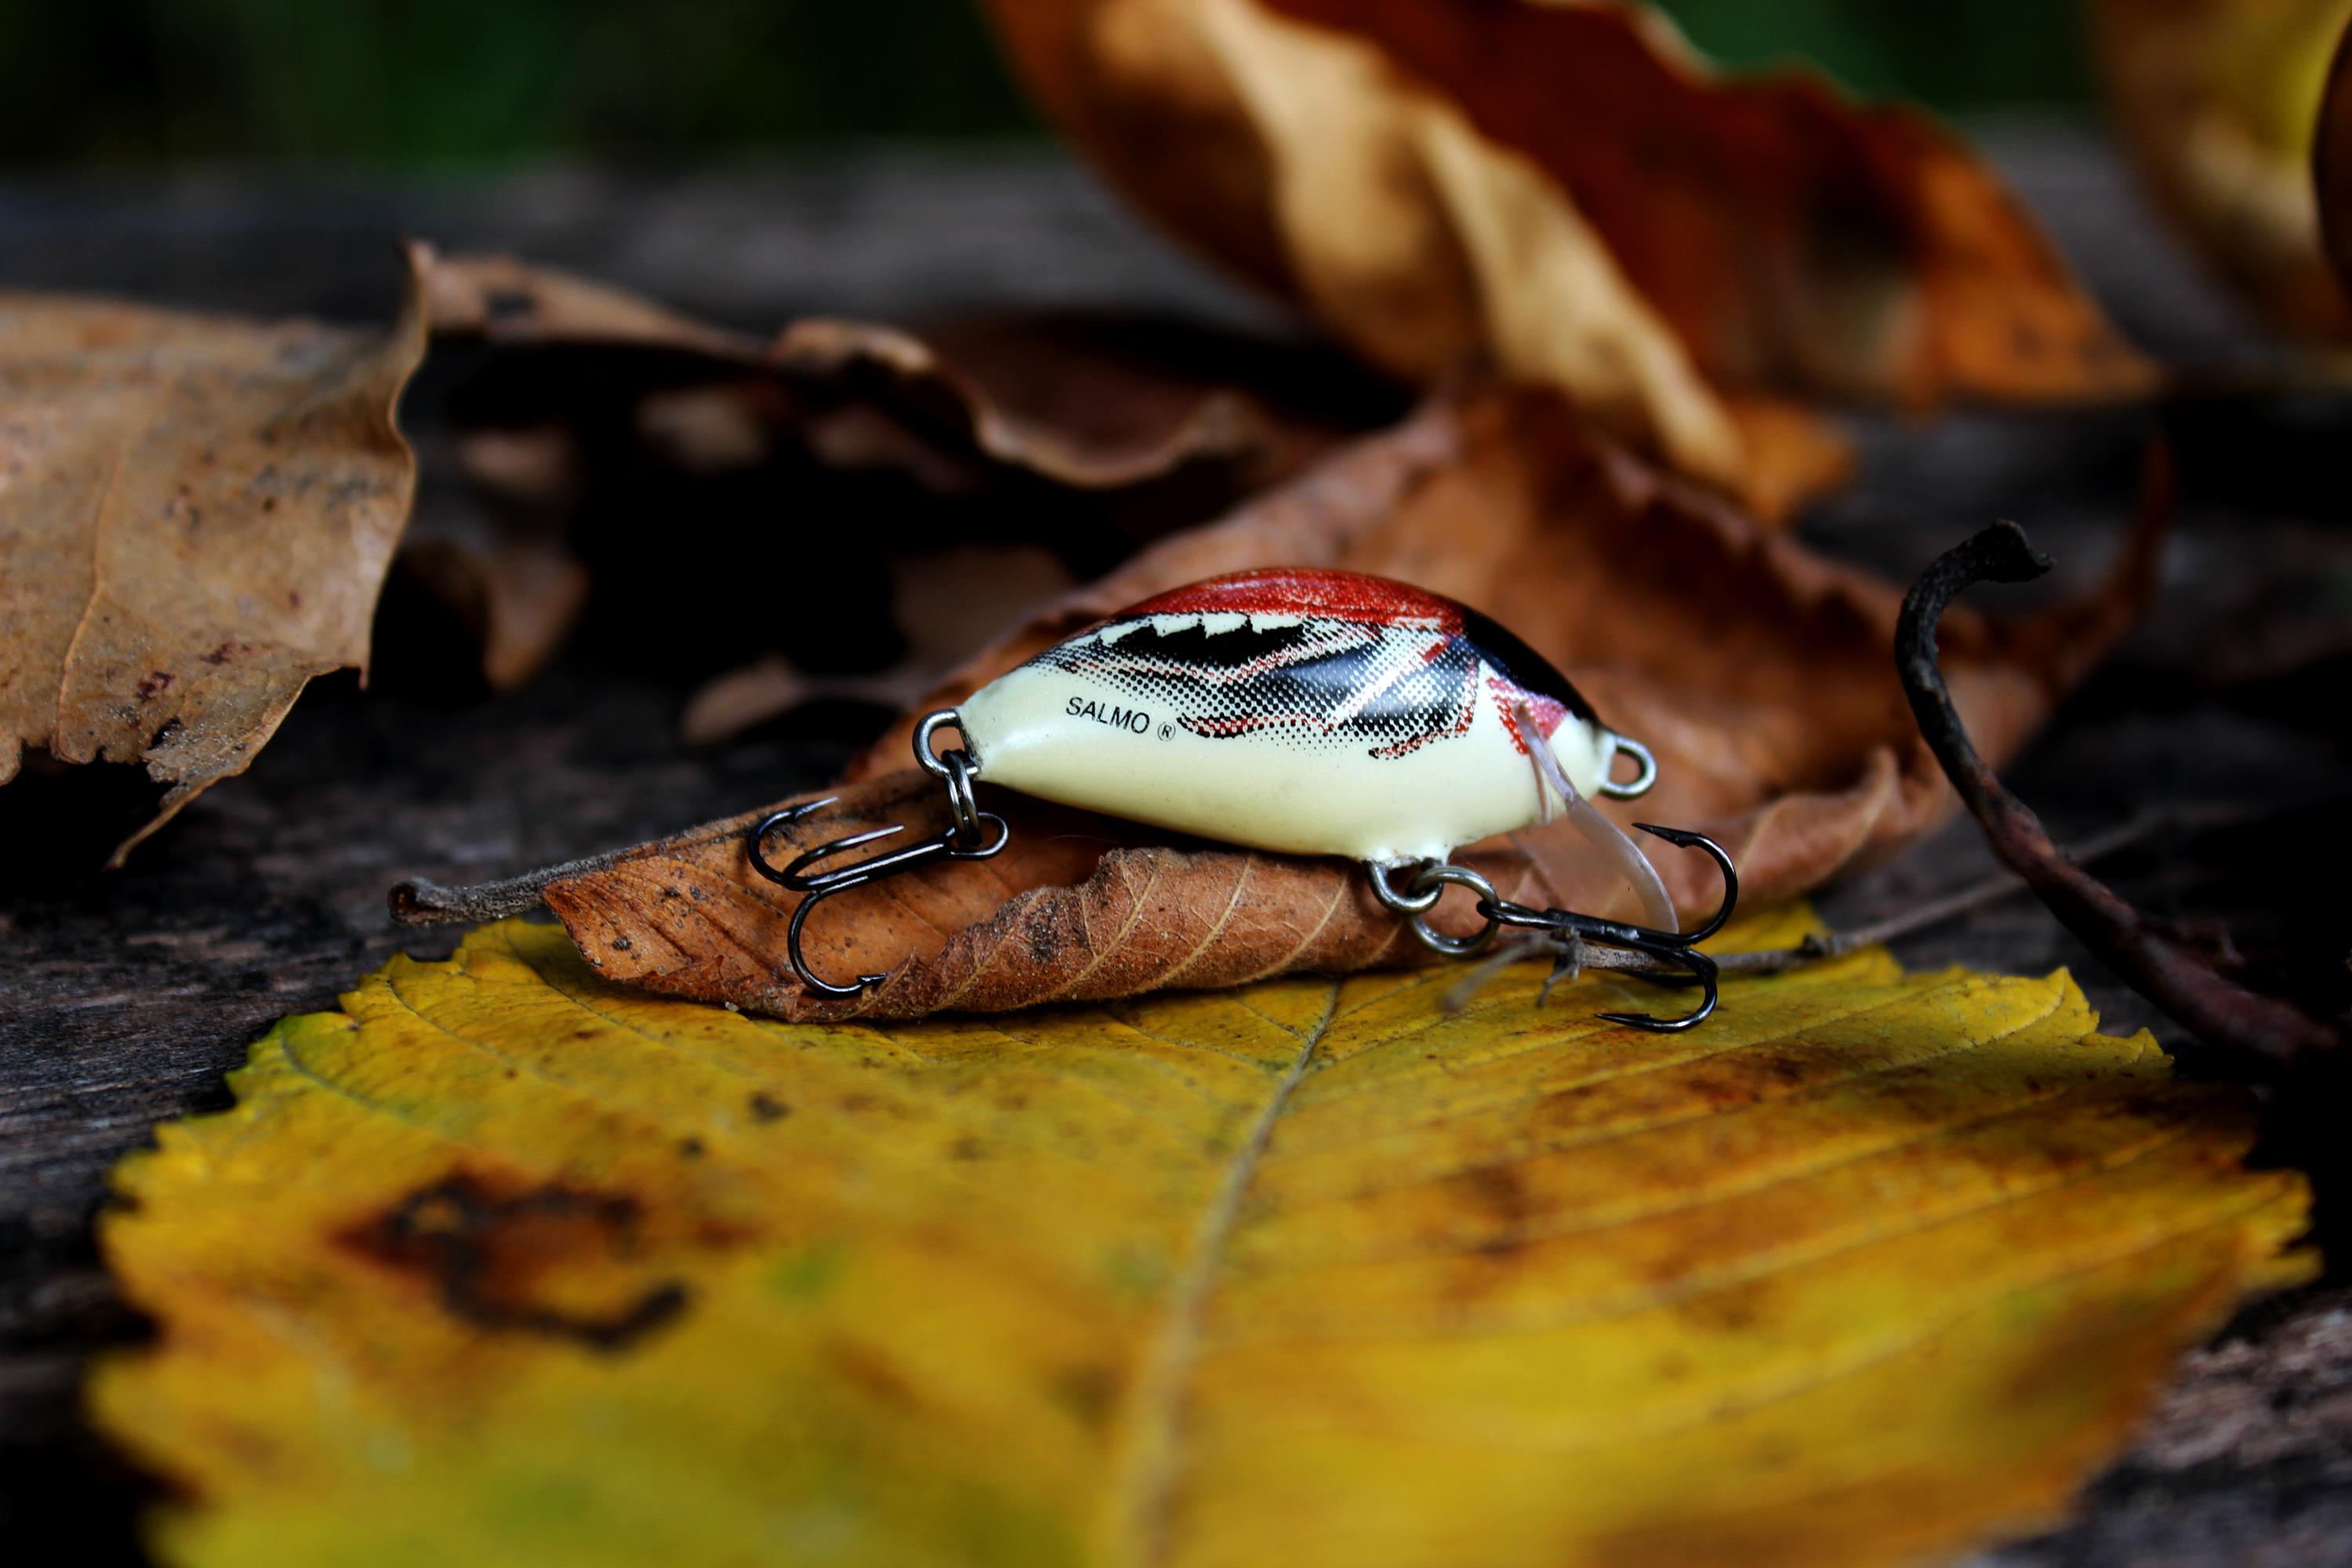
[(1299, 710), (1302, 682)]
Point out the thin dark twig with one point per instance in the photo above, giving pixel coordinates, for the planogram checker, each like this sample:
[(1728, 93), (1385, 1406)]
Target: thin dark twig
[(1966, 900), (2260, 1032)]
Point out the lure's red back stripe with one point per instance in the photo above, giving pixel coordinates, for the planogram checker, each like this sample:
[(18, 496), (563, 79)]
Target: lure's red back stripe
[(1307, 591)]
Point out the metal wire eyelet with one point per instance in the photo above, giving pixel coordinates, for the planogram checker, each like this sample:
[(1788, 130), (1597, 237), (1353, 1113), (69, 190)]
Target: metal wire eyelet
[(1418, 901), (1430, 881), (930, 725), (1645, 775)]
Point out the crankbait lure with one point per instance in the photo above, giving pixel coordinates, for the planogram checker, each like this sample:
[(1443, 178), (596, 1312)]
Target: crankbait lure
[(1309, 712)]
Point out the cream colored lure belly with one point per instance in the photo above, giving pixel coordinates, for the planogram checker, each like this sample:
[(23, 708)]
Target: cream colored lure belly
[(1085, 732), (1308, 713)]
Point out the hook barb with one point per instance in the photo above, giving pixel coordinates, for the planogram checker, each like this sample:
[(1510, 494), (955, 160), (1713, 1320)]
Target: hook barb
[(1685, 839), (1702, 970)]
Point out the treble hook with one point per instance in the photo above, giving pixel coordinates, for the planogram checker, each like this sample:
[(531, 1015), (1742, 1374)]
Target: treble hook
[(967, 838), (1679, 949), (1676, 947)]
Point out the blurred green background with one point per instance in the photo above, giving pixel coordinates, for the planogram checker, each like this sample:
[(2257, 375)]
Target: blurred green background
[(408, 82)]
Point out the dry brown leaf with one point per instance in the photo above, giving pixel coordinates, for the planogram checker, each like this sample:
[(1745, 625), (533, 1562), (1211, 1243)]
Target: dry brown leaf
[(1760, 674), (1074, 436), (1068, 402), (514, 588), (1073, 419), (506, 300), (952, 603), (198, 513), (1080, 908), (2217, 99), (1569, 190)]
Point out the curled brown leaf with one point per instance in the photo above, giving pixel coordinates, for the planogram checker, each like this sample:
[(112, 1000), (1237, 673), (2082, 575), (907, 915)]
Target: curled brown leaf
[(1569, 191), (1079, 436), (952, 603), (1087, 404), (1079, 907), (1758, 672), (512, 588), (200, 512)]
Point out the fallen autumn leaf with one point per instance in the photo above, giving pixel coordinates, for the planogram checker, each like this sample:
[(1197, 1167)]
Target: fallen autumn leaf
[(1089, 405), (1571, 191), (504, 1263), (1081, 435), (196, 517)]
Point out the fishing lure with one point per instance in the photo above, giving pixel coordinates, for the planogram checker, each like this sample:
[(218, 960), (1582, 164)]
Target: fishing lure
[(1309, 712)]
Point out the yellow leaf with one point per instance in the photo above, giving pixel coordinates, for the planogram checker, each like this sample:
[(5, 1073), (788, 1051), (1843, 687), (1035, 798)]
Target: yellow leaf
[(507, 1264)]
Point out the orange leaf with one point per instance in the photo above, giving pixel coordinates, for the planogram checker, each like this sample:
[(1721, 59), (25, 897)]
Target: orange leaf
[(1571, 191)]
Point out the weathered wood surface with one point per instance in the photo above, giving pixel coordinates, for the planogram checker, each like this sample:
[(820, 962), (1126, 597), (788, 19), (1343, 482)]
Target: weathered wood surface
[(123, 999)]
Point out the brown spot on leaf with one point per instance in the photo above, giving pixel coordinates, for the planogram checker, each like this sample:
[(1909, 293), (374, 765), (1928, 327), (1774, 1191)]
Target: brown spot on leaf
[(1500, 1195), (1089, 1392), (1046, 940), (1734, 1309), (489, 1255), (872, 1373)]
